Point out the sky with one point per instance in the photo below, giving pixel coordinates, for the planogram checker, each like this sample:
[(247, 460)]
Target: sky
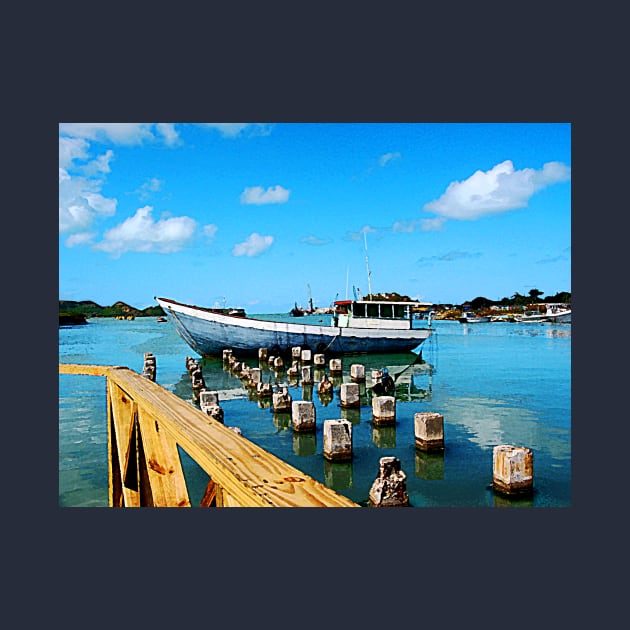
[(264, 215)]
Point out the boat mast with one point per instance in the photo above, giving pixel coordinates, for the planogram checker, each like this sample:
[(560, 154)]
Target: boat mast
[(367, 264)]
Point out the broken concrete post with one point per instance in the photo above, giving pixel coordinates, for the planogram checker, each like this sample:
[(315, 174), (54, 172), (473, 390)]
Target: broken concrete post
[(208, 398), (215, 412), (307, 375), (278, 363), (390, 487), (303, 415), (262, 354), (325, 387), (149, 367), (335, 366), (281, 400), (293, 372), (384, 410), (255, 377), (337, 440), (296, 353), (264, 390), (429, 431), (227, 353), (306, 356), (319, 360), (357, 372), (513, 469), (349, 395)]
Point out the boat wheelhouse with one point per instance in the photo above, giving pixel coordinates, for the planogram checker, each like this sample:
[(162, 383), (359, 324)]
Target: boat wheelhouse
[(373, 314)]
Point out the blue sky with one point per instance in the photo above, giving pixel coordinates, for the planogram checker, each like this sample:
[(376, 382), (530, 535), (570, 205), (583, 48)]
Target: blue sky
[(252, 214)]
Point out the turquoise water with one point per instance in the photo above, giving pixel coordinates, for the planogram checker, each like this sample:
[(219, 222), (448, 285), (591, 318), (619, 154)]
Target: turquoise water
[(495, 383)]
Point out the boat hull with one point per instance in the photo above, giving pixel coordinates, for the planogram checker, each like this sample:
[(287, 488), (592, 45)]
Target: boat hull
[(209, 334)]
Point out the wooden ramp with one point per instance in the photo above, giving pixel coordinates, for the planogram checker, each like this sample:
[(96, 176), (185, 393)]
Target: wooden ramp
[(146, 423)]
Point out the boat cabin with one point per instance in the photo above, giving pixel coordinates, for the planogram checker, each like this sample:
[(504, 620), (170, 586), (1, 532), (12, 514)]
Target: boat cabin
[(373, 314)]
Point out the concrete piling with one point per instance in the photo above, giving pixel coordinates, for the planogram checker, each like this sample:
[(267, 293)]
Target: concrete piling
[(335, 366), (215, 412), (325, 387), (306, 373), (227, 353), (337, 440), (296, 353), (255, 377), (262, 354), (306, 356), (349, 395), (319, 360), (293, 372), (513, 469), (264, 390), (149, 367), (384, 410), (390, 487), (303, 415), (281, 400), (278, 363), (208, 398), (357, 373), (429, 431)]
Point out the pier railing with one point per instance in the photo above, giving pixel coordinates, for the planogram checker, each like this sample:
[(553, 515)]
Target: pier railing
[(145, 425)]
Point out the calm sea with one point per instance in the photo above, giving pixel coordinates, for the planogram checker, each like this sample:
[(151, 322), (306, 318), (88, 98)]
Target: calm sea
[(494, 383)]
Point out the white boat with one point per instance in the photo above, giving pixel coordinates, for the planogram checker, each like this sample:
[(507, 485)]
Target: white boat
[(356, 326), (546, 312), (471, 318)]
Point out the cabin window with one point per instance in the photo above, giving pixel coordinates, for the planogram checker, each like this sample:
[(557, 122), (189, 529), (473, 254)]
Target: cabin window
[(342, 309), (372, 310), (399, 311), (387, 310), (358, 309)]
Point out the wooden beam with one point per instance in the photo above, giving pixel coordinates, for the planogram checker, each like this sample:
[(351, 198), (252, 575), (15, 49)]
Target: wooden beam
[(249, 475), (163, 465)]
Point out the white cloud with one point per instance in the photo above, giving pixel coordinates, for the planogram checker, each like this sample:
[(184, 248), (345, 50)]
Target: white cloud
[(118, 133), (358, 236), (81, 238), (258, 196), (388, 157), (71, 149), (315, 240), (498, 190), (80, 203), (151, 185), (253, 246), (431, 225), (210, 230), (167, 130), (233, 130), (140, 233)]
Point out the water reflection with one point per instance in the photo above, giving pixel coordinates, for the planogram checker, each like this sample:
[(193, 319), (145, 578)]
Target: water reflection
[(384, 437), (351, 415), (429, 466), (304, 444), (338, 475)]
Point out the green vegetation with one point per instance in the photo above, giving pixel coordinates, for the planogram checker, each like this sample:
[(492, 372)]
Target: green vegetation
[(92, 309)]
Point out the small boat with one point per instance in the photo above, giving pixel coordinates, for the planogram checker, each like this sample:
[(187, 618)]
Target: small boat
[(356, 326), (162, 319), (471, 318), (551, 312)]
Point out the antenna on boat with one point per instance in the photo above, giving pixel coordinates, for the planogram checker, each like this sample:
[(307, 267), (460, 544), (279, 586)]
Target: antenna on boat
[(347, 276), (367, 264)]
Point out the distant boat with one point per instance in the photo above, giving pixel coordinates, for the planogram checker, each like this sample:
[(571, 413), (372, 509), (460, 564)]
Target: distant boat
[(471, 318), (356, 326), (162, 319), (299, 311), (547, 312)]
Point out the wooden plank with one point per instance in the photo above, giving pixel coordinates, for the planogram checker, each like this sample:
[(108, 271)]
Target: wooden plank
[(209, 498), (163, 465), (249, 475), (125, 442), (87, 370), (115, 493)]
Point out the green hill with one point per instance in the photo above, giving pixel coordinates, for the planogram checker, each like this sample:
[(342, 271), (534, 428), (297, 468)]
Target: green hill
[(87, 308)]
